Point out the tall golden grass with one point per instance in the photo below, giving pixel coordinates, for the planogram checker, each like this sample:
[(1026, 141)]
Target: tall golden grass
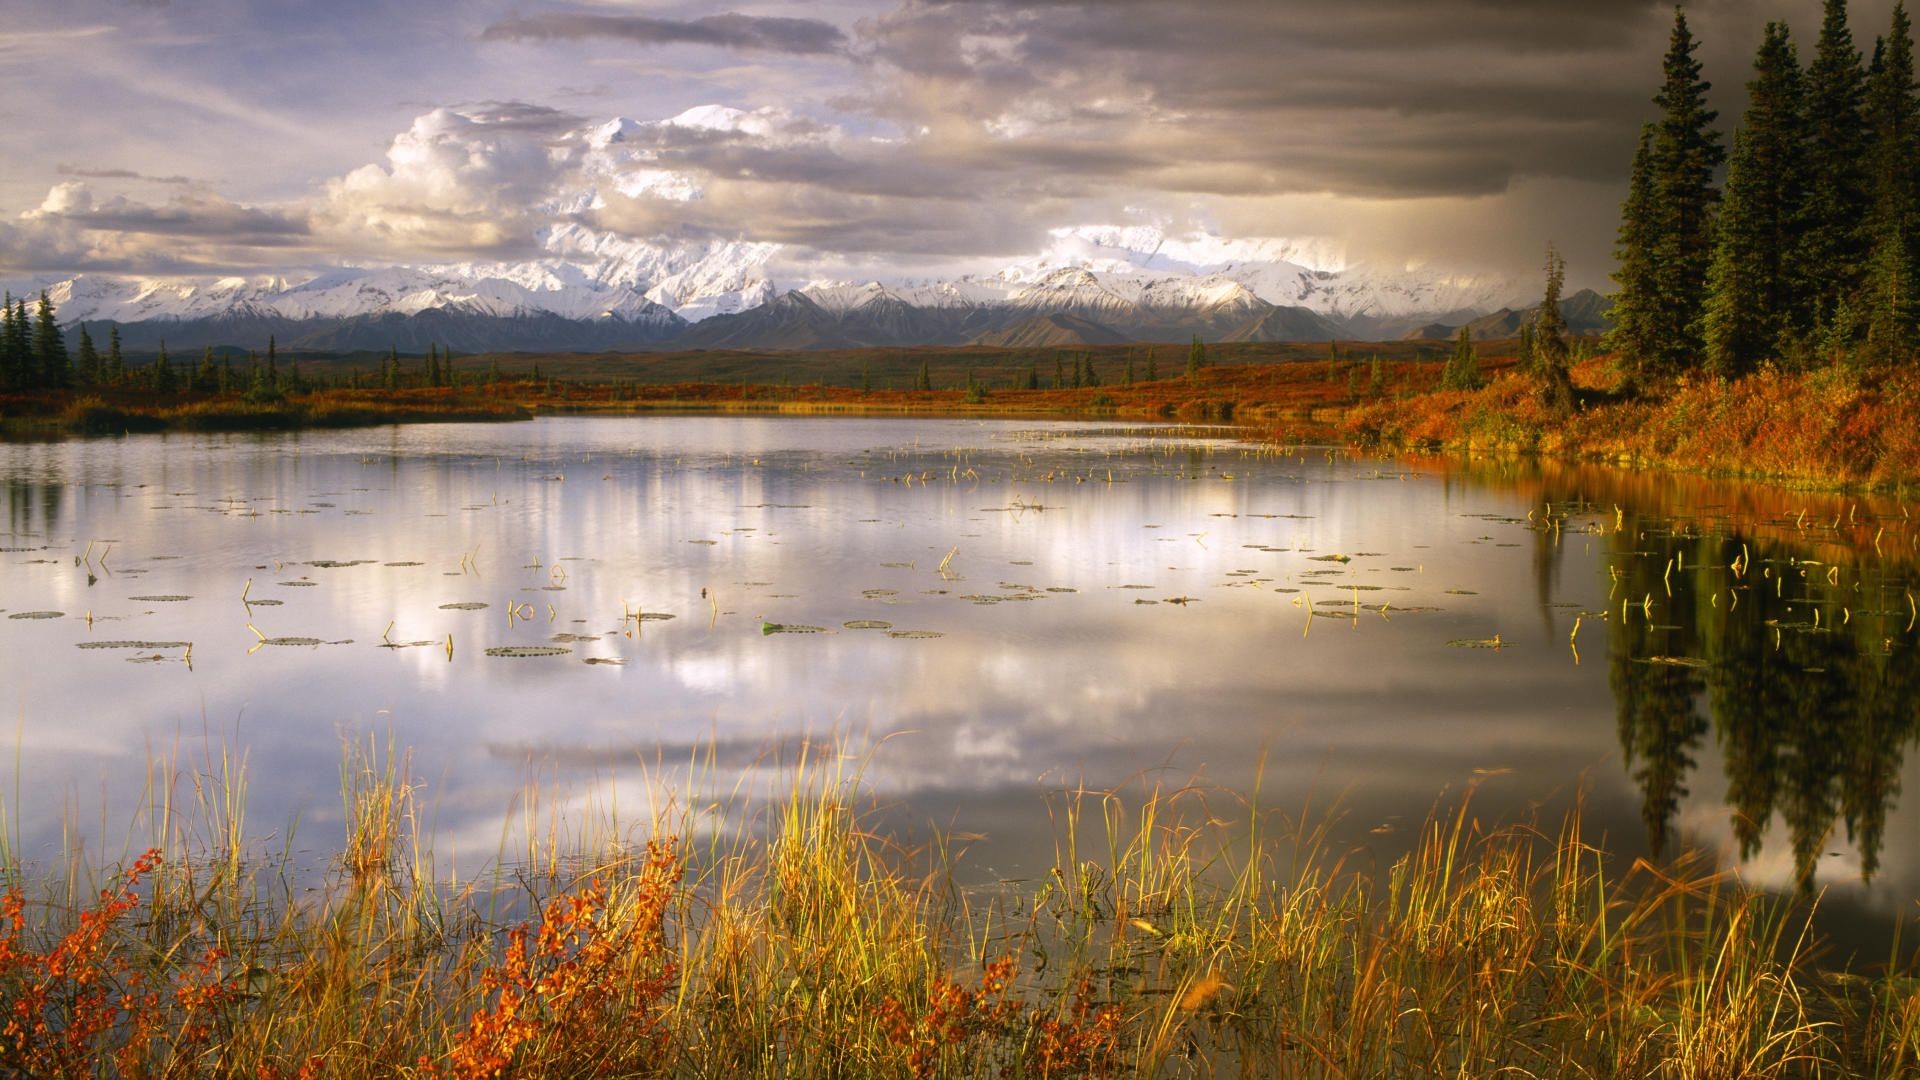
[(1170, 938)]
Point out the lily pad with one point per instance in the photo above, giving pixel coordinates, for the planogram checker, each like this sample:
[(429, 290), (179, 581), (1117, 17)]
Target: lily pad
[(1476, 643), (299, 584), (465, 605), (37, 615), (133, 644), (528, 650), (613, 661), (790, 628), (915, 635), (165, 598), (868, 624)]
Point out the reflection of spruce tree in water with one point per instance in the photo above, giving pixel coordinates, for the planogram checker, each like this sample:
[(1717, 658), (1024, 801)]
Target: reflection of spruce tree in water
[(1660, 728), (1813, 723)]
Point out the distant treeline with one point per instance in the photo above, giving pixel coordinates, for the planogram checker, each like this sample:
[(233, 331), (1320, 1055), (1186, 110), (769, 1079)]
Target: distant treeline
[(1811, 252), (34, 356)]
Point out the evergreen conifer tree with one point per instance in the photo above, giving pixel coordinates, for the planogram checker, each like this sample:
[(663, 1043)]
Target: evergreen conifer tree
[(1894, 237), (1833, 241), (1153, 366), (1033, 376), (1126, 377), (1751, 286), (925, 379), (160, 372), (273, 366), (87, 362), (433, 365), (1685, 152), (11, 375), (1196, 358), (50, 347), (1550, 340), (225, 382), (1463, 367), (116, 369), (1632, 313), (208, 377)]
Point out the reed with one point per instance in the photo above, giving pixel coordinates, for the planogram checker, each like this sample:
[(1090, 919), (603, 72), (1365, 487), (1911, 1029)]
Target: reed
[(738, 933)]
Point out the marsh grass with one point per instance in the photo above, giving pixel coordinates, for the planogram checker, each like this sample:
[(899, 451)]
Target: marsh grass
[(1184, 932)]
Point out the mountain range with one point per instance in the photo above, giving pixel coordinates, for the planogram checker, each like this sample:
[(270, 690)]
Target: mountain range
[(590, 289)]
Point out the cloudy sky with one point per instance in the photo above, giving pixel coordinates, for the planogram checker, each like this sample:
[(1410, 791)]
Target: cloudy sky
[(902, 136)]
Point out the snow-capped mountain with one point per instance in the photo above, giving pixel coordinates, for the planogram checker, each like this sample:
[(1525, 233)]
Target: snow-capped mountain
[(591, 285)]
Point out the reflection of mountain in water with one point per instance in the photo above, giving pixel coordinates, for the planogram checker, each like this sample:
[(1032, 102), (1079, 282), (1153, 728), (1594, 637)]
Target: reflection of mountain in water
[(1796, 668)]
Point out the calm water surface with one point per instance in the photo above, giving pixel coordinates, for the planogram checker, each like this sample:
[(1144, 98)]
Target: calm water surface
[(1005, 609)]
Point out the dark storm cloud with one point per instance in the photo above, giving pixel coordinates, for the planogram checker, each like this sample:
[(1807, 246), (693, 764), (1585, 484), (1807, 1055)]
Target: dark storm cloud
[(731, 31)]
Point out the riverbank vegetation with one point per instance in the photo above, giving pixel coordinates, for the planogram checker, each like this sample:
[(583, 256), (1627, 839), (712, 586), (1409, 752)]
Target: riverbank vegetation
[(1176, 933)]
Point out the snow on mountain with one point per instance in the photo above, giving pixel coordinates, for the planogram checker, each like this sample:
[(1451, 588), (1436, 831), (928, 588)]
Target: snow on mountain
[(1130, 275)]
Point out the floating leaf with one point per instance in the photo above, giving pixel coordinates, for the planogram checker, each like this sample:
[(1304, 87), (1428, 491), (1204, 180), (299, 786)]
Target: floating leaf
[(299, 584), (915, 635), (790, 628), (528, 650), (1476, 643), (165, 598), (1330, 558), (37, 615), (610, 660), (1678, 661), (133, 644), (868, 624), (465, 605)]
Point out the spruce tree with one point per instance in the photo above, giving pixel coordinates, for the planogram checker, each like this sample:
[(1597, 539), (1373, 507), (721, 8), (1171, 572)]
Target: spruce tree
[(1033, 376), (925, 379), (1086, 362), (1196, 358), (1153, 367), (1751, 283), (11, 376), (1126, 377), (1894, 236), (116, 363), (207, 379), (224, 382), (273, 366), (87, 363), (1833, 247), (1632, 335), (433, 365), (160, 372), (16, 343), (50, 347), (1463, 367), (1686, 151), (1550, 340)]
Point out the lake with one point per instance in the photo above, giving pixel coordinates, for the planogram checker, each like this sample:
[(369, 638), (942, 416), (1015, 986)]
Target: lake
[(622, 611)]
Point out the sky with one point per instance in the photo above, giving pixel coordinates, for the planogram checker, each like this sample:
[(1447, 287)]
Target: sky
[(873, 138)]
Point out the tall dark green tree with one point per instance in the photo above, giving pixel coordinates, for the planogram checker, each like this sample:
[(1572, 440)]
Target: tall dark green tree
[(1550, 340), (1832, 253), (1463, 367), (1685, 152), (160, 373), (1633, 301), (16, 344), (1751, 284), (116, 363), (12, 375), (1894, 234), (207, 378), (1196, 358), (87, 363), (50, 346)]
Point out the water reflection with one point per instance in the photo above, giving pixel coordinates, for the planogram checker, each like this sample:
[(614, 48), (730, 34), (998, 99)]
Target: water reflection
[(1778, 623), (1114, 604)]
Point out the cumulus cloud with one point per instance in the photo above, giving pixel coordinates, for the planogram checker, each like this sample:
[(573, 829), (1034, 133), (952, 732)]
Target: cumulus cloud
[(456, 182), (801, 37)]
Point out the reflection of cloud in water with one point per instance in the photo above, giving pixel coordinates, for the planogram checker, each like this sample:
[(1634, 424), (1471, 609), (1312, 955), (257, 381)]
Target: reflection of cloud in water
[(1031, 691)]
